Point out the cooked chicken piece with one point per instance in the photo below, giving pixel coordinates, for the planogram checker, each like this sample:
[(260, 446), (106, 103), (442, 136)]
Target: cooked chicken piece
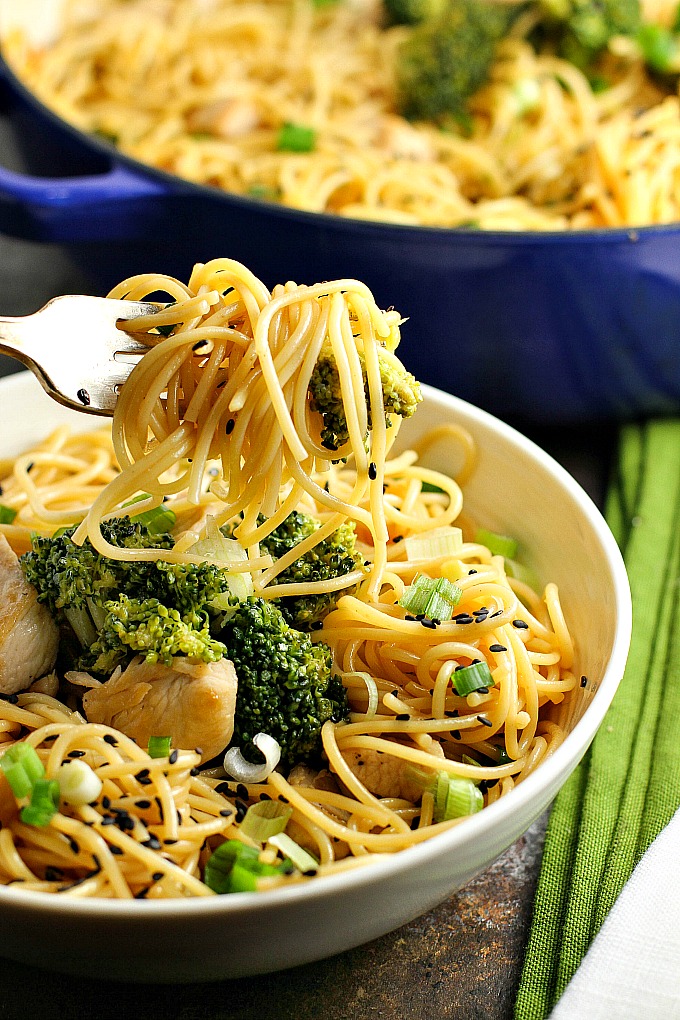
[(402, 141), (383, 775), (28, 634), (193, 703), (304, 775), (225, 118)]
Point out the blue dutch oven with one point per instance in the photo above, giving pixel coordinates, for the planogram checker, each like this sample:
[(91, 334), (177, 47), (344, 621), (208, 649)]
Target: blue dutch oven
[(557, 327)]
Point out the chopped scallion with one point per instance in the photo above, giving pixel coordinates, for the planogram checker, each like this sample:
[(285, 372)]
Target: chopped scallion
[(159, 747), (455, 797), (497, 544), (298, 856), (431, 545), (7, 514), (22, 768), (43, 805), (243, 771), (295, 138), (471, 678), (235, 867), (78, 783), (435, 598), (430, 487), (265, 819)]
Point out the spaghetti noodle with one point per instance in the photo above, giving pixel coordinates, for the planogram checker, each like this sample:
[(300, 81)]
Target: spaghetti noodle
[(204, 90), (217, 421)]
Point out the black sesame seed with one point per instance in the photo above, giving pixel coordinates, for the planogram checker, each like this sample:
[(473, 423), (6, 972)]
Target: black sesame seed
[(398, 538), (463, 618), (106, 803), (482, 690), (168, 842), (520, 624), (224, 788), (484, 721), (410, 618), (265, 796), (116, 850), (372, 471), (194, 772), (13, 699), (242, 791), (197, 346), (157, 875), (230, 426), (402, 717), (75, 847), (145, 781), (143, 805), (497, 648), (310, 873), (153, 843), (241, 810), (141, 895), (142, 774), (456, 734), (110, 739), (584, 681), (473, 571), (284, 800), (174, 755), (76, 754), (499, 612), (83, 396), (430, 624), (226, 813)]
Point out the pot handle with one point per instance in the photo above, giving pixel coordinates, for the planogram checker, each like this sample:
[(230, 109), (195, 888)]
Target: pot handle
[(116, 205)]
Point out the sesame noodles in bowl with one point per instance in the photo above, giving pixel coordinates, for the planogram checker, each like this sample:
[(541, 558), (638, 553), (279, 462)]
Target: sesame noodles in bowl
[(515, 489)]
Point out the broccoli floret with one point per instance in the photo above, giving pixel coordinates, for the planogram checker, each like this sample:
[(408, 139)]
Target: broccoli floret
[(77, 584), (581, 29), (286, 685), (446, 59), (401, 394), (332, 557), (412, 12), (147, 627)]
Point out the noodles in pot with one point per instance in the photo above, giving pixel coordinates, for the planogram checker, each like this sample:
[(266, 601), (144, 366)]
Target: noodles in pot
[(205, 90), (216, 424)]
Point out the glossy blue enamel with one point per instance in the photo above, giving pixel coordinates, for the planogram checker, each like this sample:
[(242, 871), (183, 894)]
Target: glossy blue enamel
[(545, 327)]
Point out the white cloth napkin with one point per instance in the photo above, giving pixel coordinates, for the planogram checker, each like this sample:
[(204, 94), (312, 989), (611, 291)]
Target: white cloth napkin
[(632, 969)]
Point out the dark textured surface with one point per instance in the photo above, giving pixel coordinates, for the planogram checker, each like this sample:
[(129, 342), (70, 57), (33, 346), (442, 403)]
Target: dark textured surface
[(461, 961)]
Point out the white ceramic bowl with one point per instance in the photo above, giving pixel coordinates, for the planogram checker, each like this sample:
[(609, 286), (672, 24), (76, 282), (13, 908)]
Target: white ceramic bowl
[(516, 489)]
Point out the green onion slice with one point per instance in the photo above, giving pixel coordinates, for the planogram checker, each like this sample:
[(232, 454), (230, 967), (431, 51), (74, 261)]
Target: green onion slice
[(497, 544), (22, 768), (159, 747), (435, 598), (244, 771), (7, 514), (43, 805), (371, 687), (430, 487), (471, 678), (216, 548), (295, 138), (302, 860), (78, 782), (455, 797), (235, 867), (431, 545), (265, 819)]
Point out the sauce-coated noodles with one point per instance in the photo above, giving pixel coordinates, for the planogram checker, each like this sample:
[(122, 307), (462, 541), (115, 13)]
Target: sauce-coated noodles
[(216, 420)]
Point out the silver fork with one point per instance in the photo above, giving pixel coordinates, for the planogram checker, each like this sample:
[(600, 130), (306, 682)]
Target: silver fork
[(72, 346)]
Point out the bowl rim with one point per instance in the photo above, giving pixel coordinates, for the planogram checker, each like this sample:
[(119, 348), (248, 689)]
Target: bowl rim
[(564, 759), (178, 186)]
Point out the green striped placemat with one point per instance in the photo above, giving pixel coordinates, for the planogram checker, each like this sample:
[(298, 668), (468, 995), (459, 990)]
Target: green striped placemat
[(628, 786)]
